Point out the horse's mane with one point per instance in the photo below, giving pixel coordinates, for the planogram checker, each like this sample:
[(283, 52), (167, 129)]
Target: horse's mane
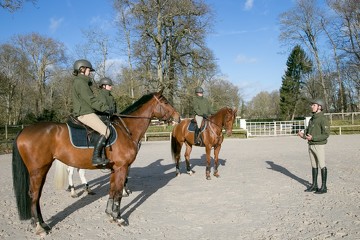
[(136, 105)]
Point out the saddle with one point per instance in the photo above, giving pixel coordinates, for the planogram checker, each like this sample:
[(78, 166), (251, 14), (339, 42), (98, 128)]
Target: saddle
[(82, 136), (193, 125)]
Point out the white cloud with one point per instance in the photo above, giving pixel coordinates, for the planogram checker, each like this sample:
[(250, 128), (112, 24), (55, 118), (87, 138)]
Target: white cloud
[(249, 4), (244, 59), (55, 24)]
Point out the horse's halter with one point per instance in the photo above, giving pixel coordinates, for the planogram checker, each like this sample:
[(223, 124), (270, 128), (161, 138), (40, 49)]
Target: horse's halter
[(161, 105)]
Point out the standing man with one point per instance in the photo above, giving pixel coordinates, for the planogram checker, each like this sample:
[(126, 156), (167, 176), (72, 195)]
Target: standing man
[(202, 109), (317, 134)]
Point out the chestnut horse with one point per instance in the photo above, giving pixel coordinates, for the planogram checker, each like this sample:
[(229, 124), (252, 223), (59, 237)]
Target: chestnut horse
[(212, 137), (38, 145)]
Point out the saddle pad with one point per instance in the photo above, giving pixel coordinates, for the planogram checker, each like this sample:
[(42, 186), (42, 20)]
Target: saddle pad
[(192, 126), (78, 137)]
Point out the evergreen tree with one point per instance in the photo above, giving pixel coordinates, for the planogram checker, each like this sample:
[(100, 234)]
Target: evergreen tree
[(297, 64)]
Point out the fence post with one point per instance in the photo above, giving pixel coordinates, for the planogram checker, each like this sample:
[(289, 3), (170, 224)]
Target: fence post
[(6, 132)]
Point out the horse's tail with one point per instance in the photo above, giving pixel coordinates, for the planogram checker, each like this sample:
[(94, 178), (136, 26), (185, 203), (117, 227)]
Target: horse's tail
[(60, 175), (175, 145), (21, 183)]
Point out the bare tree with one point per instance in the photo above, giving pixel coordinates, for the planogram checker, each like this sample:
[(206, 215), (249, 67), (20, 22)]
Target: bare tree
[(169, 36), (43, 54), (14, 79), (14, 5), (302, 25)]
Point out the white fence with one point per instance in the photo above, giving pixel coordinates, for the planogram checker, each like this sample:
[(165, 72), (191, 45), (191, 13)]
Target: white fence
[(278, 128)]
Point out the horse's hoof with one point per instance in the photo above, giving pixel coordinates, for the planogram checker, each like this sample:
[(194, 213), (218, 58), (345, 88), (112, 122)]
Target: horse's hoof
[(217, 175), (208, 178), (191, 172), (41, 231), (74, 195), (121, 222)]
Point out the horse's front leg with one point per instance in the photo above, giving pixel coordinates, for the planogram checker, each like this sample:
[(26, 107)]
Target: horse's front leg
[(216, 160), (113, 206), (187, 159), (208, 162)]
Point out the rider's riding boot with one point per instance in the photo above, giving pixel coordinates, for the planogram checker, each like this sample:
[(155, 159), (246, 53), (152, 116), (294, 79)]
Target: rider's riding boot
[(313, 187), (196, 136), (323, 188), (97, 158)]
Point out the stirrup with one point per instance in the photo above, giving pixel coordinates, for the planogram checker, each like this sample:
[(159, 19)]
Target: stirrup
[(102, 162)]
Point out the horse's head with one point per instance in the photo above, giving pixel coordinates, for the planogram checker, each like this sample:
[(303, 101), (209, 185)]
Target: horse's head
[(229, 119), (164, 110)]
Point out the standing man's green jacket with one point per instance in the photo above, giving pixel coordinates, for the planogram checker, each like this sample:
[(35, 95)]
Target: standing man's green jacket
[(319, 128), (84, 100)]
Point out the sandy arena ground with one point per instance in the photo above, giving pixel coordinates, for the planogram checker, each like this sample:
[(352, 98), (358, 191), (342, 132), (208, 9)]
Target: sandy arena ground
[(260, 195)]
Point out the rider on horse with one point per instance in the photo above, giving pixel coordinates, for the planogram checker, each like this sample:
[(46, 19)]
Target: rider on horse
[(202, 109), (105, 95), (85, 104)]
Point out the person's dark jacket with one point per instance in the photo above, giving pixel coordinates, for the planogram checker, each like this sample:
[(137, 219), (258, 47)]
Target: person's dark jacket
[(201, 106), (318, 128), (84, 100), (107, 98)]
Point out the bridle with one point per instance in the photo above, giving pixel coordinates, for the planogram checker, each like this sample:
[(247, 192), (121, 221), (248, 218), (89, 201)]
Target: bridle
[(166, 115)]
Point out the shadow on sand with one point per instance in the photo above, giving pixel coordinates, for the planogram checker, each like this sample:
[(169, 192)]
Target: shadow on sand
[(283, 170), (146, 180)]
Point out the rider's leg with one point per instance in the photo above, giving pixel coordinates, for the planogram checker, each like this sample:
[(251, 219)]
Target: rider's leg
[(197, 130), (93, 121)]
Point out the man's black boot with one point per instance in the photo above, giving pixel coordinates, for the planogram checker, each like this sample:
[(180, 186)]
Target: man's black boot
[(323, 188), (314, 186), (97, 158)]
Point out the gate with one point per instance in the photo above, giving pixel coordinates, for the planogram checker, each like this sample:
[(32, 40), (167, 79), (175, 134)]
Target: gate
[(278, 128)]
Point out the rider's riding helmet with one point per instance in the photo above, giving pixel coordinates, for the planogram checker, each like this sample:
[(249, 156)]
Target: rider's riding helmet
[(199, 90), (105, 81), (83, 63), (319, 102)]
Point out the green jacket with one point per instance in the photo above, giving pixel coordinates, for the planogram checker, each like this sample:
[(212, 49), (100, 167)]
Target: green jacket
[(201, 106), (84, 100), (106, 98), (318, 128)]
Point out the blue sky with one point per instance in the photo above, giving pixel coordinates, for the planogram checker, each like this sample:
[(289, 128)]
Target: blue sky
[(245, 39)]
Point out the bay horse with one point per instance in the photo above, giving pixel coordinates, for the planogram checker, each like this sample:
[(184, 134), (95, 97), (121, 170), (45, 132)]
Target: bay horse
[(212, 137), (37, 146)]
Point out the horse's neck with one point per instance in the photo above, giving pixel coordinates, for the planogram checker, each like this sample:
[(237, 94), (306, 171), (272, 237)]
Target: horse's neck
[(217, 121), (137, 124)]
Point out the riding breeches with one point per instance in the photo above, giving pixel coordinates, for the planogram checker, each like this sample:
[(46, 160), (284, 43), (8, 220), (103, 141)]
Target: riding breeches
[(199, 120), (317, 155), (93, 121)]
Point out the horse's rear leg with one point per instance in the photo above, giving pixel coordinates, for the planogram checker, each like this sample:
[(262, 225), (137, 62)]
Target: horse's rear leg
[(84, 182), (176, 148), (187, 159), (37, 181), (71, 187)]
